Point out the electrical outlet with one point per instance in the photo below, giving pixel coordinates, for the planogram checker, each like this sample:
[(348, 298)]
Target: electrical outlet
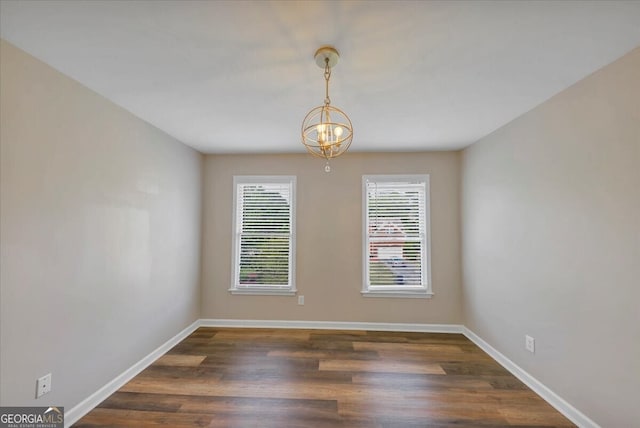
[(301, 300), (530, 343), (43, 385)]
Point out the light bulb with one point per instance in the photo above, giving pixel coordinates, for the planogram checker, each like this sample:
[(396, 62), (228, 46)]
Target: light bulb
[(338, 131)]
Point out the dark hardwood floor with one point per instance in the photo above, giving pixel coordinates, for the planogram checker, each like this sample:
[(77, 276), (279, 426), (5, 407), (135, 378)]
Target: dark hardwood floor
[(221, 377)]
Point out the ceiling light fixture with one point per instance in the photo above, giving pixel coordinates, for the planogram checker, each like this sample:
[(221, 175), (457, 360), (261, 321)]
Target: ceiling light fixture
[(326, 130)]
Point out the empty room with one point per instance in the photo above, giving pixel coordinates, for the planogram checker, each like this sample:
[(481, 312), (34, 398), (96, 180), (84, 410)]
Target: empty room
[(319, 213)]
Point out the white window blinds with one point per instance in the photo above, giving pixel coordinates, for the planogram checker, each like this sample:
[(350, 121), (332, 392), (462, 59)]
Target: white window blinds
[(264, 233), (396, 233)]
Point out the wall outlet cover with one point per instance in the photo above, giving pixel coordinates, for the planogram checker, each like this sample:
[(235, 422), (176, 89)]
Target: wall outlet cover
[(530, 343), (43, 385)]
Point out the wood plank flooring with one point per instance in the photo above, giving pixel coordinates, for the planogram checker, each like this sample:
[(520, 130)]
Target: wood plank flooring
[(324, 378)]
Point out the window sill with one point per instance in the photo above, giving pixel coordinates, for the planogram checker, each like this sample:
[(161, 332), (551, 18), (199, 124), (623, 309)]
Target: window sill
[(263, 291), (398, 294)]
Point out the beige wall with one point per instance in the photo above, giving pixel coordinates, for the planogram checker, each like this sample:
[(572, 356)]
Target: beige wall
[(329, 229), (100, 235), (551, 227)]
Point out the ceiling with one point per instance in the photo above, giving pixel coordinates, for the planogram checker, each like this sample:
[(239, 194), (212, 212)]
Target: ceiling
[(239, 76)]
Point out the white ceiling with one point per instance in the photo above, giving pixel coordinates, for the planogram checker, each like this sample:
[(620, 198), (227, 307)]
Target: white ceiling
[(239, 77)]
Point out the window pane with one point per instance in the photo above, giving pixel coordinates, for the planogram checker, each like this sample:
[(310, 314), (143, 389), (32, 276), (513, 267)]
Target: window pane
[(264, 234), (395, 233)]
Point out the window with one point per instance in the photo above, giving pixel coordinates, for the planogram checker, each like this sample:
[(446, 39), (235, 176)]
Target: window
[(264, 235), (396, 236)]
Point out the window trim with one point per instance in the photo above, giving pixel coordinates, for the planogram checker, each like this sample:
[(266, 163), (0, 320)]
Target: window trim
[(423, 291), (235, 288)]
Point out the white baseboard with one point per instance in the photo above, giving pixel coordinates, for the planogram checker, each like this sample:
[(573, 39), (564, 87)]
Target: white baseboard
[(81, 409), (573, 414), (570, 412), (334, 325)]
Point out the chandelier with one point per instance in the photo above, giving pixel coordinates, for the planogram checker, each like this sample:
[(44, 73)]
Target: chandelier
[(326, 130)]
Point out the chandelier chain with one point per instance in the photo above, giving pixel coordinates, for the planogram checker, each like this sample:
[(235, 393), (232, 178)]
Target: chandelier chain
[(327, 76)]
